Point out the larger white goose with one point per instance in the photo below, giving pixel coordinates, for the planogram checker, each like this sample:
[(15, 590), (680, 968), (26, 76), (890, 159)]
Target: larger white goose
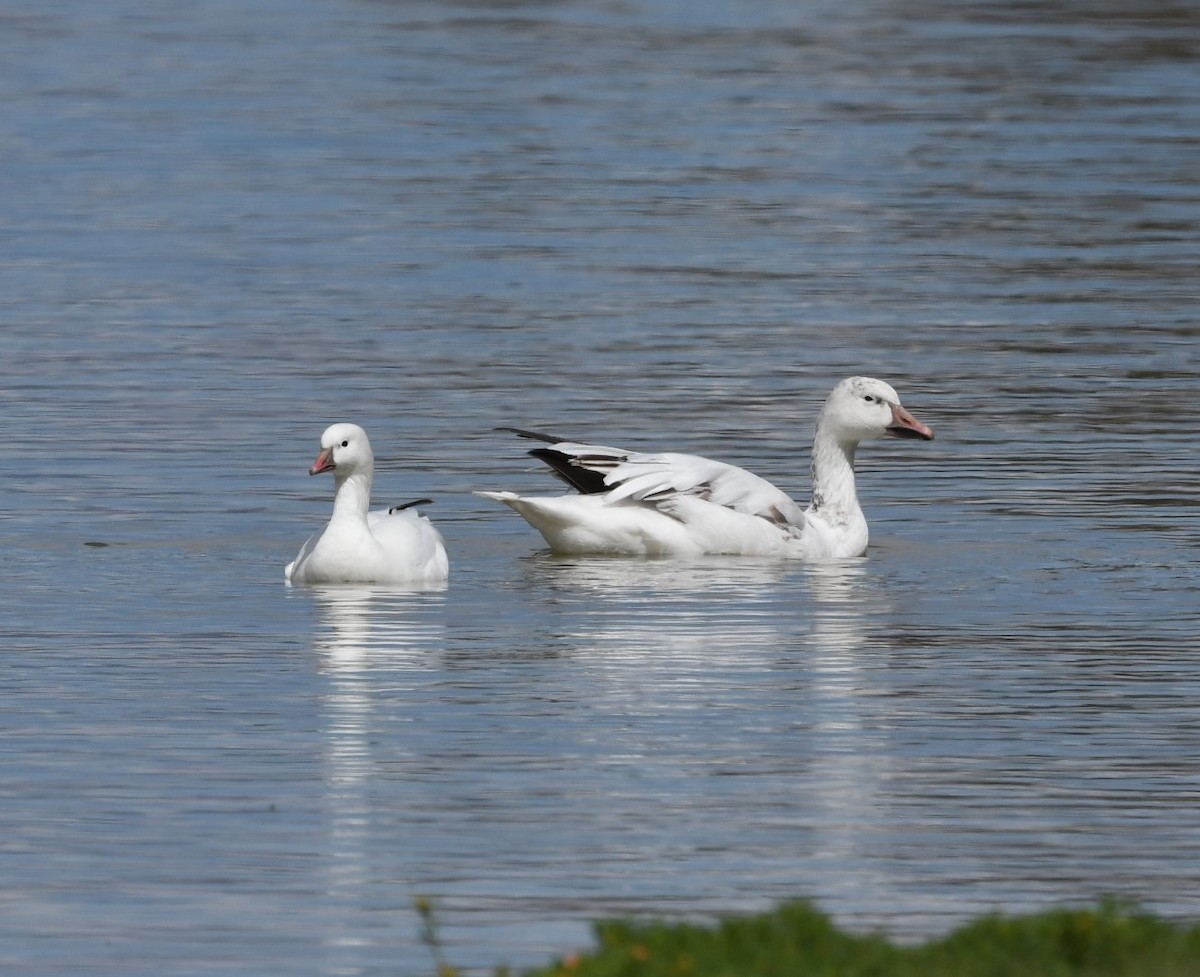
[(389, 546), (674, 504)]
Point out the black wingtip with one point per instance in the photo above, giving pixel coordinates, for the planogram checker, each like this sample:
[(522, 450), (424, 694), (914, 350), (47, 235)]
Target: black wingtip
[(532, 435), (409, 505), (583, 480)]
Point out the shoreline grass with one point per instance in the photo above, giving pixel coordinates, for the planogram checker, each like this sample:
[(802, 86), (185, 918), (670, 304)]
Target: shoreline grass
[(1112, 939)]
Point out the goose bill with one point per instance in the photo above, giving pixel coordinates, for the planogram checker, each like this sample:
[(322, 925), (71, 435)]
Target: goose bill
[(323, 463), (904, 425)]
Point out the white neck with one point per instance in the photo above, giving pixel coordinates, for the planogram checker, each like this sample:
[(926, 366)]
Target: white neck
[(834, 496), (352, 497)]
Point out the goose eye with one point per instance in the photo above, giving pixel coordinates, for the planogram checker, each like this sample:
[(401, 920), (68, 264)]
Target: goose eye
[(345, 444), (869, 398)]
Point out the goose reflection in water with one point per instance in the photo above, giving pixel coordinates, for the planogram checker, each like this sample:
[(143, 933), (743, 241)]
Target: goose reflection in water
[(365, 637), (675, 658), (616, 577), (677, 655), (362, 626), (755, 603), (663, 617), (848, 764), (840, 591)]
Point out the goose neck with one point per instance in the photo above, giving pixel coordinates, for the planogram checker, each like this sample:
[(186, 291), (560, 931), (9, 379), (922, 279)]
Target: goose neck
[(352, 497), (834, 492)]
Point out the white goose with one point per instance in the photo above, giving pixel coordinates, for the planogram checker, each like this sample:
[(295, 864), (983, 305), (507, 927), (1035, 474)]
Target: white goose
[(391, 546), (673, 504)]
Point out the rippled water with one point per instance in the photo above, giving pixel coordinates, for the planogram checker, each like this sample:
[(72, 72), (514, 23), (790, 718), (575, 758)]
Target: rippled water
[(655, 224)]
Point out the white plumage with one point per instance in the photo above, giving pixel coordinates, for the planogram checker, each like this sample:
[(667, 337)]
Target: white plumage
[(675, 504), (389, 546)]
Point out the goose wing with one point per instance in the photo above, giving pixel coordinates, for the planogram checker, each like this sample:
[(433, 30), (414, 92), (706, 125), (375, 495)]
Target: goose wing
[(659, 478)]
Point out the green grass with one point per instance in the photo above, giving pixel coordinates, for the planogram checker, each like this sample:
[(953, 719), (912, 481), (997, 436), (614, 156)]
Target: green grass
[(795, 940)]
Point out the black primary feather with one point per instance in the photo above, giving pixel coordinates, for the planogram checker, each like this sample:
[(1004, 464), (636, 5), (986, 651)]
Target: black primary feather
[(563, 465), (582, 479), (409, 505), (532, 435)]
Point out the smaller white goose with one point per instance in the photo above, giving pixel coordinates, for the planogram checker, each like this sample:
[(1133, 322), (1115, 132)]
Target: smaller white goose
[(390, 546), (637, 504)]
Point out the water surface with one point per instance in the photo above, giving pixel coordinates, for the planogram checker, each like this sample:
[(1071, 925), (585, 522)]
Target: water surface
[(661, 225)]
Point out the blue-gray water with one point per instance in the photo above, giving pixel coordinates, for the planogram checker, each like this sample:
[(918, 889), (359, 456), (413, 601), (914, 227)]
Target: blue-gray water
[(659, 224)]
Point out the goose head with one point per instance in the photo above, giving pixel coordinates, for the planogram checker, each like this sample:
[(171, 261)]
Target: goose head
[(862, 408), (345, 450)]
